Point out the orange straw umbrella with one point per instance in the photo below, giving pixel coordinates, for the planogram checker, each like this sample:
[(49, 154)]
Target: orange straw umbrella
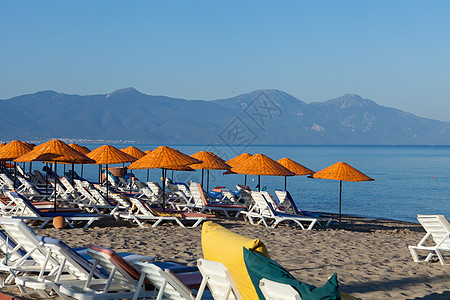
[(81, 149), (342, 172), (109, 155), (235, 161), (133, 151), (54, 151), (294, 167), (13, 150), (210, 161), (259, 164), (163, 158)]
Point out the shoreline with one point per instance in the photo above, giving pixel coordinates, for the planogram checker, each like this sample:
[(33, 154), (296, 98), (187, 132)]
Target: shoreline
[(370, 256)]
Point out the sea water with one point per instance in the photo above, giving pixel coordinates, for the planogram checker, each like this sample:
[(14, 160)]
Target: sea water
[(409, 180)]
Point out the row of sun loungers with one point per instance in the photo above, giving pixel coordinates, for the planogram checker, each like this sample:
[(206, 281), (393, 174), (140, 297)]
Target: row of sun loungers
[(47, 265)]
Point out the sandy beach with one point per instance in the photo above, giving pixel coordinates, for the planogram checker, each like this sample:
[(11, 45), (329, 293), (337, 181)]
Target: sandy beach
[(370, 256)]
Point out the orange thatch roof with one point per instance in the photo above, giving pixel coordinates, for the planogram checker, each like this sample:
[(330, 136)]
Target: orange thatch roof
[(235, 161), (109, 155), (14, 149), (147, 151), (55, 151), (295, 167), (2, 144), (259, 164), (133, 151), (163, 157), (80, 149), (210, 161), (341, 171)]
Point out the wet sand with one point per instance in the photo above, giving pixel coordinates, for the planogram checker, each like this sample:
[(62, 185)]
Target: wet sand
[(371, 257)]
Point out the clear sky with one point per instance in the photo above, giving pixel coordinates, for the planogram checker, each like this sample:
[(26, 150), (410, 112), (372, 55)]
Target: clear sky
[(396, 53)]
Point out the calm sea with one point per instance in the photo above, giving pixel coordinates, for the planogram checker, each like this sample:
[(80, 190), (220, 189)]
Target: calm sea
[(409, 180)]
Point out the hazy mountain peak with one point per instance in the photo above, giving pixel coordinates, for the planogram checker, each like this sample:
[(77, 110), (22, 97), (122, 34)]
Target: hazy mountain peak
[(349, 100), (125, 91)]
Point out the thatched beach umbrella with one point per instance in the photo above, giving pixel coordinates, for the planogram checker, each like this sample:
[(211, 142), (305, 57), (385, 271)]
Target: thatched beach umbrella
[(295, 168), (342, 172), (210, 161), (82, 149), (163, 158), (109, 155), (235, 161), (54, 151), (259, 164), (133, 151), (13, 150)]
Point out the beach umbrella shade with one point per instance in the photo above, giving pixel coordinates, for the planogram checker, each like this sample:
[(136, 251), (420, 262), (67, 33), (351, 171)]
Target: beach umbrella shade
[(83, 150), (235, 161), (163, 158), (133, 151), (13, 150), (259, 164), (109, 155), (342, 172), (54, 151), (210, 161), (295, 168)]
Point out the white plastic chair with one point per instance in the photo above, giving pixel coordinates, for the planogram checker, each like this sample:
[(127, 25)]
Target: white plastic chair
[(278, 291)]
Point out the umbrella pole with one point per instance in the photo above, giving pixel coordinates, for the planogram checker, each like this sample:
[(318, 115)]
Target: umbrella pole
[(202, 176), (73, 173), (15, 174), (207, 181), (131, 179), (340, 199), (259, 183), (54, 204), (172, 174), (64, 169), (100, 174), (285, 183), (82, 170), (46, 180), (148, 171), (163, 188), (245, 180), (30, 166), (107, 183)]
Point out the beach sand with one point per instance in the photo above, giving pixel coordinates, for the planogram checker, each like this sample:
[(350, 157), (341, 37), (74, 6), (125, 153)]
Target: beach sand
[(371, 257)]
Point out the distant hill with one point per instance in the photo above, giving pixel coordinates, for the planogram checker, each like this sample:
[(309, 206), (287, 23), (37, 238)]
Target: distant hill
[(259, 117)]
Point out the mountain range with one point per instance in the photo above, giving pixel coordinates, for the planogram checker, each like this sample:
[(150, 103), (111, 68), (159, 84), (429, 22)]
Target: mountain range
[(258, 117)]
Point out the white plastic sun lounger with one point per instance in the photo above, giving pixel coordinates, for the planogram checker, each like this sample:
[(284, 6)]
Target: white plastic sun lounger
[(145, 213), (438, 228), (264, 213), (278, 291), (218, 279)]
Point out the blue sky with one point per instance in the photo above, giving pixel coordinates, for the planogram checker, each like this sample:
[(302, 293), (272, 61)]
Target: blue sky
[(396, 53)]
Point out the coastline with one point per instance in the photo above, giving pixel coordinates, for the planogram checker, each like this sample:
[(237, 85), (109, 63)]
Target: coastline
[(370, 256)]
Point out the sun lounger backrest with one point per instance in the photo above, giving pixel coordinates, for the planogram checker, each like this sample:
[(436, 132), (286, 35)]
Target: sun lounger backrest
[(261, 203), (155, 188), (27, 207), (7, 181), (218, 279), (278, 291), (198, 194), (438, 226), (8, 245), (286, 202), (172, 288), (270, 199), (140, 207), (74, 263), (67, 184), (109, 260), (22, 235), (184, 188)]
